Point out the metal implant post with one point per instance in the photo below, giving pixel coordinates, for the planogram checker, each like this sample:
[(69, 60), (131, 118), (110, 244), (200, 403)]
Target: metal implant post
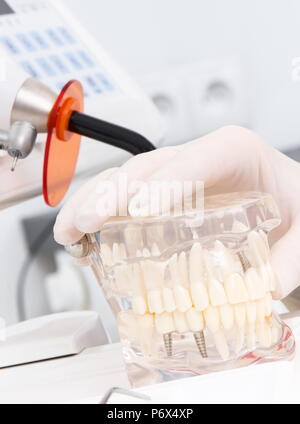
[(244, 261), (168, 341), (200, 341)]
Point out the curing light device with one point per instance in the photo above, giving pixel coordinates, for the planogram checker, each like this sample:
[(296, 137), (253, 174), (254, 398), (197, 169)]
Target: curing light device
[(37, 109)]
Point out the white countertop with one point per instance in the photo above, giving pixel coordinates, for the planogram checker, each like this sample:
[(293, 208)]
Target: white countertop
[(85, 378)]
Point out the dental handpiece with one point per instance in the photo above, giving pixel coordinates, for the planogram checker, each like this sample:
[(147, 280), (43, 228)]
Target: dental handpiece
[(19, 141), (33, 108)]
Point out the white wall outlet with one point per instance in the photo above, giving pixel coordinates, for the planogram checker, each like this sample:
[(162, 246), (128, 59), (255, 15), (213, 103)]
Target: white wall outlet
[(217, 95), (166, 91), (198, 98)]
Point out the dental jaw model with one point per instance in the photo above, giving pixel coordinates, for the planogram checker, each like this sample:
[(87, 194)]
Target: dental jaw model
[(199, 299)]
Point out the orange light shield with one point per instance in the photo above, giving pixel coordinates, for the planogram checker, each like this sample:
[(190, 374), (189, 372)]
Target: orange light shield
[(62, 147)]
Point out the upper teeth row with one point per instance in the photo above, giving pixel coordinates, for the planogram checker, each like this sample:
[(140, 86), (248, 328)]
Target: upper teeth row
[(200, 279)]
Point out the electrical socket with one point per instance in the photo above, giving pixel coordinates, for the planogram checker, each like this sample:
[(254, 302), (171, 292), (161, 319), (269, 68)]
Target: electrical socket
[(198, 98)]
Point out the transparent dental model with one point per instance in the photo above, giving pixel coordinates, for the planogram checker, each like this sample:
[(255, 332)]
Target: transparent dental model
[(193, 294)]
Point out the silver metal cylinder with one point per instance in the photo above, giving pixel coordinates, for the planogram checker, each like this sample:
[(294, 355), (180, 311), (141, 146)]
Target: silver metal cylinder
[(21, 140), (33, 103), (80, 250)]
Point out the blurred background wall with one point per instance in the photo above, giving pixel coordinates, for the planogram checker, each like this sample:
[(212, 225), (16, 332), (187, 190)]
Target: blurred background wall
[(151, 35)]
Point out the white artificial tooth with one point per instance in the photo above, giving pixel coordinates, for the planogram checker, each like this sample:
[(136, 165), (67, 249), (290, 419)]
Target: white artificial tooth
[(258, 251), (145, 321), (209, 266), (169, 300), (272, 277), (174, 269), (146, 253), (239, 339), (183, 269), (133, 239), (240, 314), (196, 264), (127, 325), (139, 302), (221, 344), (264, 238), (264, 334), (181, 294), (164, 323), (139, 253), (251, 337), (136, 275), (123, 275), (122, 252), (258, 220), (226, 260), (154, 273), (261, 310), (155, 250), (181, 325), (199, 296), (195, 320), (139, 305), (227, 316), (268, 305), (236, 289), (251, 312), (155, 302), (265, 278), (212, 319), (117, 253), (106, 254), (217, 293), (254, 285), (146, 334), (182, 298)]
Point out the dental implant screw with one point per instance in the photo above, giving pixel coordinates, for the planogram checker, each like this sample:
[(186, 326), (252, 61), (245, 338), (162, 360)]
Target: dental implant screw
[(201, 344), (168, 341), (244, 261)]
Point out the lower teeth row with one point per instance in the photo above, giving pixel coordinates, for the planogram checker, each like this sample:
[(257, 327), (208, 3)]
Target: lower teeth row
[(148, 329)]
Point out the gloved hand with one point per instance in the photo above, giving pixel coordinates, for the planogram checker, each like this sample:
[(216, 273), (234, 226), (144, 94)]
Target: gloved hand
[(228, 160)]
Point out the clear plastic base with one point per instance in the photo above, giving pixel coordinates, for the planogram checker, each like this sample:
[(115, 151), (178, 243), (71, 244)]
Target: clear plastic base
[(144, 371)]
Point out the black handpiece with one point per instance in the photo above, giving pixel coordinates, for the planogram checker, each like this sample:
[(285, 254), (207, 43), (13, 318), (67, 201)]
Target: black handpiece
[(108, 133)]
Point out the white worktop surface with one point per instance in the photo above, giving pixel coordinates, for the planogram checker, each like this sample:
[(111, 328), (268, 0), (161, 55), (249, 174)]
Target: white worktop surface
[(85, 378)]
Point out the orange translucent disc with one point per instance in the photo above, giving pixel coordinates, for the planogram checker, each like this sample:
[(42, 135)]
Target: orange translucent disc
[(62, 147)]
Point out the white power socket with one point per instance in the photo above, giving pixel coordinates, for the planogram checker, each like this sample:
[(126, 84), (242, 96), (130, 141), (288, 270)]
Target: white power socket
[(198, 98)]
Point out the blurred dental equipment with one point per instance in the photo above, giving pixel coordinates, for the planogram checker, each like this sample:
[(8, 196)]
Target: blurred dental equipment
[(40, 52), (36, 108)]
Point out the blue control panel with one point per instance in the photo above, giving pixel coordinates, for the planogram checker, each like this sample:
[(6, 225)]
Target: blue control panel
[(52, 53)]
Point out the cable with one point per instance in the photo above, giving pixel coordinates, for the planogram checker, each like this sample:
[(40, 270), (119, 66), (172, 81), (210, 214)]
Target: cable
[(108, 133), (38, 243)]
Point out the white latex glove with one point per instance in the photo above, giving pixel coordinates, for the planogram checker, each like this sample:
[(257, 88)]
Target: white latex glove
[(228, 160)]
